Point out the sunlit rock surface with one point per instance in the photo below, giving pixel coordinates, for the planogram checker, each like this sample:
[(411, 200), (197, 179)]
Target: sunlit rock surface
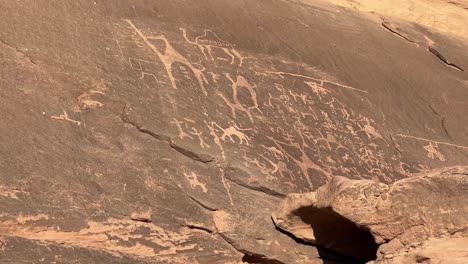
[(169, 131), (365, 219)]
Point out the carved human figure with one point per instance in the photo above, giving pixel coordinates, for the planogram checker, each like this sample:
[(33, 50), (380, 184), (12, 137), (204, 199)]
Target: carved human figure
[(235, 104)]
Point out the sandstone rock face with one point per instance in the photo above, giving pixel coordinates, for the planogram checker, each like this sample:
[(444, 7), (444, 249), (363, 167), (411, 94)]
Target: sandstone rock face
[(140, 131), (435, 250), (419, 216), (447, 16)]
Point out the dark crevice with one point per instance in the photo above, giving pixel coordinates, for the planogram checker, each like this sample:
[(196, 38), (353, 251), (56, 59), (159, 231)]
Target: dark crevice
[(433, 110), (227, 240), (387, 27), (141, 219), (395, 145), (338, 237), (163, 138), (194, 156), (442, 121), (256, 188), (191, 154), (201, 228), (422, 259), (430, 106), (443, 59), (297, 240), (457, 4), (203, 205), (327, 255), (250, 257), (259, 259)]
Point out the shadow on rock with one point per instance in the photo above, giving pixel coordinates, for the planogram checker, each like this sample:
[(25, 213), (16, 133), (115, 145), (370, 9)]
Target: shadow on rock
[(333, 231)]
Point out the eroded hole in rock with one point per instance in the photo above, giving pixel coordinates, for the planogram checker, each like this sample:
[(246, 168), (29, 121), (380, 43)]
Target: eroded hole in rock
[(327, 255), (339, 234)]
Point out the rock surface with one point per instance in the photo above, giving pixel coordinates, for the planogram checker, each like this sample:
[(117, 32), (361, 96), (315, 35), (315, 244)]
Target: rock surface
[(435, 250), (355, 217), (446, 16), (168, 131)]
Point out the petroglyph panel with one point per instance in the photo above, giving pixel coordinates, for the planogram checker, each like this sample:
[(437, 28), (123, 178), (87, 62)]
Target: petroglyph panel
[(168, 131), (309, 133), (299, 116)]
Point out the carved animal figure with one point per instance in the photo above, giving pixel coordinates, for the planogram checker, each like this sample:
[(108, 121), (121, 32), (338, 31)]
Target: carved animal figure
[(209, 41), (170, 56)]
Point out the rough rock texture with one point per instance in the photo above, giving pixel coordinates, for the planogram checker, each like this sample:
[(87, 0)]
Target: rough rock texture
[(354, 217), (142, 131), (446, 250), (446, 16)]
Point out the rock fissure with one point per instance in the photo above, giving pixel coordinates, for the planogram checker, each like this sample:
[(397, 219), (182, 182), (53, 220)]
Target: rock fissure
[(250, 257), (442, 121), (256, 188), (163, 138), (141, 219), (194, 156), (398, 34), (443, 59), (395, 146), (18, 52), (201, 204), (201, 228)]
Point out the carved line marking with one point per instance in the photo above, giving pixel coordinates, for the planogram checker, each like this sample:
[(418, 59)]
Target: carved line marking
[(236, 85), (318, 89), (193, 131), (433, 141), (433, 152), (142, 70), (192, 178), (234, 131), (210, 40), (182, 134), (304, 162), (66, 118), (200, 138), (322, 81), (118, 45), (169, 57), (9, 192), (86, 101)]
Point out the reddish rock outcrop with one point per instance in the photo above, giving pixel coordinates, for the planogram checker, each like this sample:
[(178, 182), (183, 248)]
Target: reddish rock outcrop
[(365, 219), (139, 131)]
